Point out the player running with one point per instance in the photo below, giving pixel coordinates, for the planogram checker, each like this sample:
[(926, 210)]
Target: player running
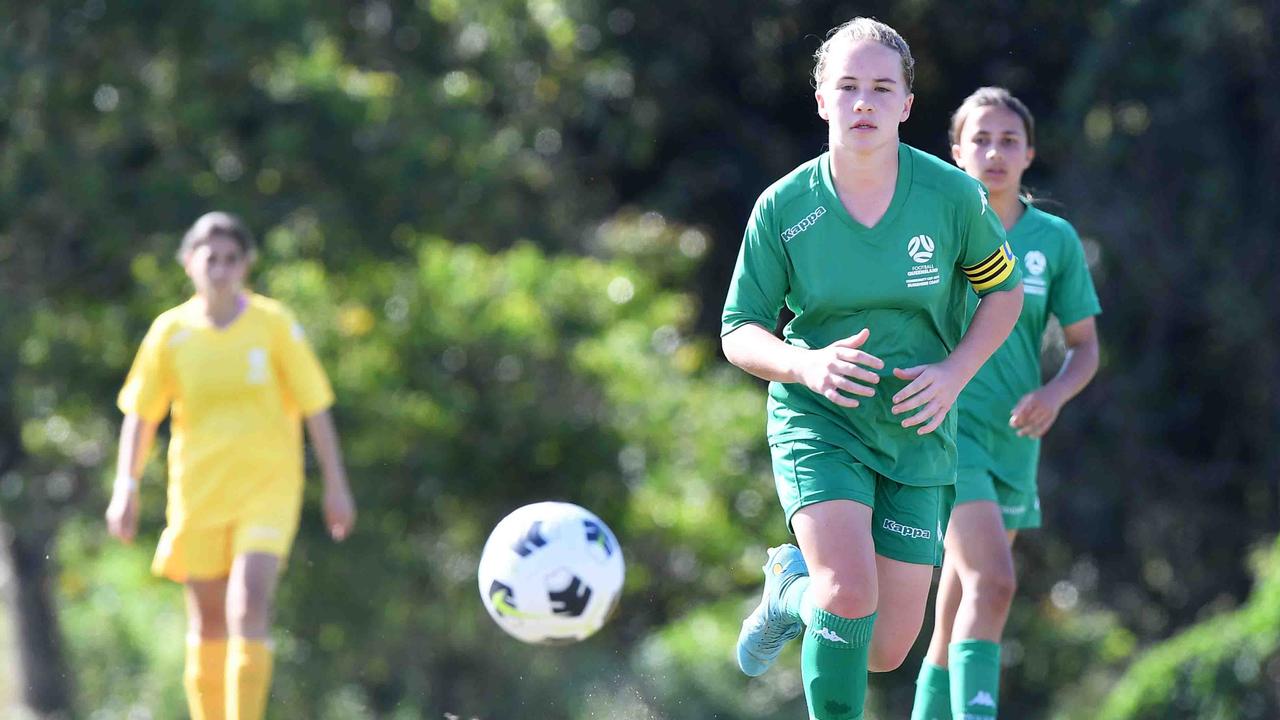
[(875, 246), (1003, 414)]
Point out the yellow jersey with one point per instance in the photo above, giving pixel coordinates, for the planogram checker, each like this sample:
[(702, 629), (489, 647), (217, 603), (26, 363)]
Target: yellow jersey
[(237, 395)]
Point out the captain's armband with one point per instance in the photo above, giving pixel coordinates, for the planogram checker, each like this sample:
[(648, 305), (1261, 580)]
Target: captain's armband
[(991, 270)]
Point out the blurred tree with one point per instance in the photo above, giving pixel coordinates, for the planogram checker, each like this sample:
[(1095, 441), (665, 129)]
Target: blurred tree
[(475, 380)]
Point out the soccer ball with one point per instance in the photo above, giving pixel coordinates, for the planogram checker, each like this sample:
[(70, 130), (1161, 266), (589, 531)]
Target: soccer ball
[(551, 573)]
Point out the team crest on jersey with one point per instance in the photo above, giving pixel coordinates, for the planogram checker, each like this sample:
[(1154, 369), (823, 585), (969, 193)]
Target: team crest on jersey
[(922, 272), (1035, 282), (1036, 262), (257, 366), (920, 248)]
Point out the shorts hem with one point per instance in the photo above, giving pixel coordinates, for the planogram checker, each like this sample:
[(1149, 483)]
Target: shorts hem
[(827, 496)]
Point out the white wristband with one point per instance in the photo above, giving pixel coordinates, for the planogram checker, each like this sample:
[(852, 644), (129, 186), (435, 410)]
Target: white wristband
[(124, 483)]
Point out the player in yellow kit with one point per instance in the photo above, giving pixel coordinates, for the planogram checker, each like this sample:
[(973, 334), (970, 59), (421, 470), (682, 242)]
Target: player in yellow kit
[(236, 375)]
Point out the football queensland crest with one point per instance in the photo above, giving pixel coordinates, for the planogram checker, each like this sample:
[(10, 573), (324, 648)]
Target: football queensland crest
[(920, 248), (1035, 262)]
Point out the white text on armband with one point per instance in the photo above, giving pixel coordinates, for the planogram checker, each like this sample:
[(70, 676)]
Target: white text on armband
[(804, 224)]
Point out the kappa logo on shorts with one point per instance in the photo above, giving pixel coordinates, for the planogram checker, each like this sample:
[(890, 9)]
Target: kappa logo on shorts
[(906, 530), (804, 224)]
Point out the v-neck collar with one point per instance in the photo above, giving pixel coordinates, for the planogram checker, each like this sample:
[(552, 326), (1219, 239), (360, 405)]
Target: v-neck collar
[(203, 321), (1021, 223), (900, 191)]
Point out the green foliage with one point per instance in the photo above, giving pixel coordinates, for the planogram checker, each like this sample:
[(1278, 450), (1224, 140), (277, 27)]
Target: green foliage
[(1224, 667), (133, 662), (591, 165)]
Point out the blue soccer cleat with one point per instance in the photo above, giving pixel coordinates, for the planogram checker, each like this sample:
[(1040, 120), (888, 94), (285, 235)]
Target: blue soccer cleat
[(767, 629)]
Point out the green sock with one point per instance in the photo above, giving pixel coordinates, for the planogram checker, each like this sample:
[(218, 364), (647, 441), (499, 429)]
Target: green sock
[(793, 596), (975, 678), (933, 694), (833, 663)]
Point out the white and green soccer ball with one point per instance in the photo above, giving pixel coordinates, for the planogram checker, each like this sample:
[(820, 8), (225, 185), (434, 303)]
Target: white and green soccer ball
[(551, 573)]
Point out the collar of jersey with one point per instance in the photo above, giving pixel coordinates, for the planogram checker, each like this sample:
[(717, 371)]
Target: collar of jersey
[(900, 192)]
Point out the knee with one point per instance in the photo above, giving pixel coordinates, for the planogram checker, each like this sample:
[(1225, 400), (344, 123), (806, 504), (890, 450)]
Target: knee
[(887, 657), (994, 589), (248, 613), (211, 625), (843, 596)]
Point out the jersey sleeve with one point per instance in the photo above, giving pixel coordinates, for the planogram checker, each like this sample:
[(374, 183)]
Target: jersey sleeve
[(987, 261), (759, 284), (299, 368), (149, 388), (1072, 296)]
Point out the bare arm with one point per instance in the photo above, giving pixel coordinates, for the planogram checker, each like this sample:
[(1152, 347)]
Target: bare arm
[(936, 386), (993, 321), (136, 438), (830, 371), (1036, 412), (339, 505)]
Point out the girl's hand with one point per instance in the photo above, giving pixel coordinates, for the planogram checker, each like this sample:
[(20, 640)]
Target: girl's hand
[(934, 388), (832, 371), (1035, 413), (339, 510), (122, 513)]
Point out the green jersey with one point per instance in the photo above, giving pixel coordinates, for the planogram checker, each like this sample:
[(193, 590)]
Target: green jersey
[(1056, 282), (906, 279)]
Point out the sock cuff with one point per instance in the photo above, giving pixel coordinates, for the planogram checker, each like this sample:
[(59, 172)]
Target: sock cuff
[(836, 631), (962, 650), (197, 642), (243, 644), (934, 676)]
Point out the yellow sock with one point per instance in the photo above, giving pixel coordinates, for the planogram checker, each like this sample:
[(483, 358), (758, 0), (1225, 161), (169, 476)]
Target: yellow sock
[(248, 678), (205, 678)]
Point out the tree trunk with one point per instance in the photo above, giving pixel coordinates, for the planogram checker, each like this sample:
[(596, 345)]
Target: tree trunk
[(42, 672), (26, 536)]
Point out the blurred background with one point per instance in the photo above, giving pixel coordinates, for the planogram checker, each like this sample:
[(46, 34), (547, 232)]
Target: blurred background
[(508, 226)]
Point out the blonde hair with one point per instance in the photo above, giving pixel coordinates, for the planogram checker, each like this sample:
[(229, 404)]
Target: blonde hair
[(992, 97), (865, 28), (217, 224)]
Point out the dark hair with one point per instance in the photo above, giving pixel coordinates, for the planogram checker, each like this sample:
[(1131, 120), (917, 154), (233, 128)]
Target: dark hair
[(217, 224), (992, 97)]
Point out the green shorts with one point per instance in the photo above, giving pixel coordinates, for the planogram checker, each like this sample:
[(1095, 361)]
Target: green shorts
[(906, 521), (1021, 510)]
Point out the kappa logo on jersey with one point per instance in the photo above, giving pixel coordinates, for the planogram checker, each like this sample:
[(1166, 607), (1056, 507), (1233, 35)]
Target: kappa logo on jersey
[(923, 273), (906, 530), (257, 366), (804, 224), (982, 195), (920, 248)]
